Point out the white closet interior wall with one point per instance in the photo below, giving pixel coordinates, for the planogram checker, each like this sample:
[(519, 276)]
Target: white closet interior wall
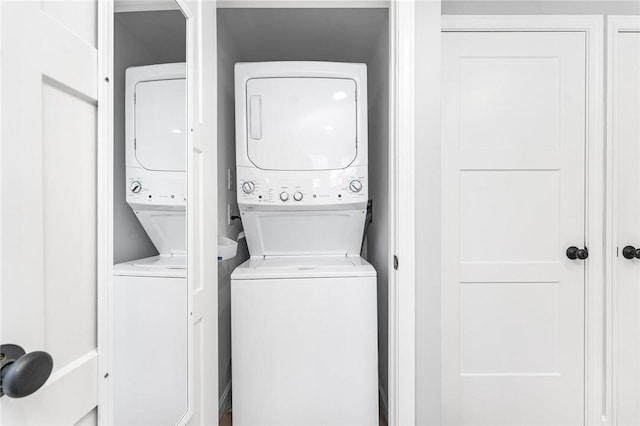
[(306, 34), (140, 38)]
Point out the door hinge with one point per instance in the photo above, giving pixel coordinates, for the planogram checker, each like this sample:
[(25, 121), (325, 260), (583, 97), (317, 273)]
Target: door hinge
[(395, 262)]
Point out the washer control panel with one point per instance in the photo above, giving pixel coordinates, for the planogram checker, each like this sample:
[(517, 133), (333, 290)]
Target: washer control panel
[(302, 188)]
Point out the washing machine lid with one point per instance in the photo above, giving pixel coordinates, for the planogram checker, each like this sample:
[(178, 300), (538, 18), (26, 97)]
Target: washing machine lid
[(301, 123), (156, 266), (303, 267), (160, 124)]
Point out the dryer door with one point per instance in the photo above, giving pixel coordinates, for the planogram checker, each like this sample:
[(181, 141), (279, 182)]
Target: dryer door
[(160, 125), (301, 123)]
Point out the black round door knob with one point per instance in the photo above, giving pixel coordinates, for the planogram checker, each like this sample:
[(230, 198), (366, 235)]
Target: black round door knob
[(630, 252), (22, 374), (574, 253)]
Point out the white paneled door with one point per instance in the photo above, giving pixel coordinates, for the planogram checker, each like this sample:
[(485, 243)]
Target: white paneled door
[(513, 164), (49, 83), (624, 115)]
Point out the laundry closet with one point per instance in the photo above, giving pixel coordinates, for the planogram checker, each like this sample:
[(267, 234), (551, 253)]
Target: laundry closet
[(248, 35)]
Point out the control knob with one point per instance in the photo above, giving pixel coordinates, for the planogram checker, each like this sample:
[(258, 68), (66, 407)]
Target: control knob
[(284, 196), (135, 186), (248, 187), (298, 196), (355, 185)]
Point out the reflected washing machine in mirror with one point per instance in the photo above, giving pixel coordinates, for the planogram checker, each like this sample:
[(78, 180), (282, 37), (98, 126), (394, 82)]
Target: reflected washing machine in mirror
[(150, 295)]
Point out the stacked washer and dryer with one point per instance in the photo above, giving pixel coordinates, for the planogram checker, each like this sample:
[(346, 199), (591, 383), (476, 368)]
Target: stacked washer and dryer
[(303, 307), (150, 295)]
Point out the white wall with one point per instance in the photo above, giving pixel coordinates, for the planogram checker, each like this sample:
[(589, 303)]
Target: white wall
[(140, 38), (427, 212), (530, 7), (340, 35)]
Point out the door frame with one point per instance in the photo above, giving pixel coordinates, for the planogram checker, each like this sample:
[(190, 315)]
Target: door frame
[(597, 363), (615, 25), (105, 164), (401, 392)]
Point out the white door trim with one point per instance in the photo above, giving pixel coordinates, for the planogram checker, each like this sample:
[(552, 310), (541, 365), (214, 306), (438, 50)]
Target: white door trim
[(105, 160), (596, 361), (615, 25), (402, 355)]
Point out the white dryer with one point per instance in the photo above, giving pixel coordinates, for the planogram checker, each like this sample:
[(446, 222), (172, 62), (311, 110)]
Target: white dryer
[(150, 335), (303, 307)]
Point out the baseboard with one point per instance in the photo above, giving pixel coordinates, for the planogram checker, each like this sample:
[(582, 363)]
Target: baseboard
[(383, 401), (224, 404)]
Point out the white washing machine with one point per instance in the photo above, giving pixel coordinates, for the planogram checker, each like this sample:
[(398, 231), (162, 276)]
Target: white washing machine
[(150, 306), (304, 342), (150, 341), (303, 307)]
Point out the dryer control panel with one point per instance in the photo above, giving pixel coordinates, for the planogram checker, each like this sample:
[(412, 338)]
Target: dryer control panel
[(302, 188), (161, 189)]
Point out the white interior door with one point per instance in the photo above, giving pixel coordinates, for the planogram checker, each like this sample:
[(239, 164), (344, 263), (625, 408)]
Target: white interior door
[(202, 206), (48, 190), (513, 164), (625, 128)]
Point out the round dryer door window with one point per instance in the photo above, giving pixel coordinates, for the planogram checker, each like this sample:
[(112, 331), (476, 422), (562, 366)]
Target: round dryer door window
[(160, 125), (301, 123)]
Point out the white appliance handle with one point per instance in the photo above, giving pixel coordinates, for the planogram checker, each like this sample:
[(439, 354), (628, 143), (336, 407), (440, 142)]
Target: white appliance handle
[(255, 117)]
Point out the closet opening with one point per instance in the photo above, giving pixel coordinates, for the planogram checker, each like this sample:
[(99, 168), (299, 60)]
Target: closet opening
[(353, 35)]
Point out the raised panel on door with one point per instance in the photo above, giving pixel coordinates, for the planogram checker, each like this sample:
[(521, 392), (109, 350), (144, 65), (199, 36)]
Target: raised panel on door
[(49, 195), (513, 176), (625, 124)]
